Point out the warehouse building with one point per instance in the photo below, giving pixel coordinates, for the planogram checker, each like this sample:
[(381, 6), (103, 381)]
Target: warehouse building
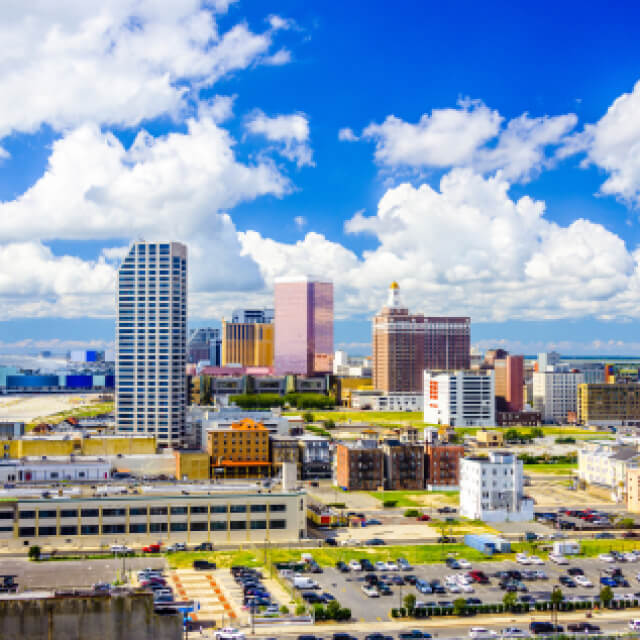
[(221, 517)]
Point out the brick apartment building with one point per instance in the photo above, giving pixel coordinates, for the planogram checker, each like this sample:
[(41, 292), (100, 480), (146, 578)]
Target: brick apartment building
[(403, 465), (442, 462), (359, 466)]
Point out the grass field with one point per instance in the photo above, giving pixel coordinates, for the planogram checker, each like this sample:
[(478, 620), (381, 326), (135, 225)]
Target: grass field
[(88, 411), (412, 498), (384, 418), (555, 469), (328, 556)]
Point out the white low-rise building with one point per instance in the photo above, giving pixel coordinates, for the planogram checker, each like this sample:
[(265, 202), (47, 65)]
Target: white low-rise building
[(460, 398), (605, 464), (379, 401), (44, 471), (492, 489)]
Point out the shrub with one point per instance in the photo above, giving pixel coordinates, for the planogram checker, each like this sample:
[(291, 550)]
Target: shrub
[(389, 504), (344, 614), (34, 552), (411, 513), (284, 610), (409, 601), (300, 610), (319, 612), (395, 613), (332, 609)]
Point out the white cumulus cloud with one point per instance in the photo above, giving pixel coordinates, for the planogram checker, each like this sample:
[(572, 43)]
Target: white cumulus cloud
[(290, 133), (613, 144)]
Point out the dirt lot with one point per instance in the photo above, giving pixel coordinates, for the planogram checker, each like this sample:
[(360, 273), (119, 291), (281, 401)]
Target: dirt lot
[(550, 491), (27, 408)]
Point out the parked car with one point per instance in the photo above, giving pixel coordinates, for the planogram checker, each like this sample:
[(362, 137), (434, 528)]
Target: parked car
[(481, 633), (370, 591), (583, 581), (608, 582), (375, 542), (151, 548), (413, 634), (606, 557), (423, 518), (567, 581), (204, 565), (464, 564), (558, 558), (354, 565), (204, 546), (583, 627), (332, 542), (342, 567), (404, 564), (514, 632)]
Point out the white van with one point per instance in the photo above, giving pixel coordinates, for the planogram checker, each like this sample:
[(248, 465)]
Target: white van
[(634, 624), (303, 582)]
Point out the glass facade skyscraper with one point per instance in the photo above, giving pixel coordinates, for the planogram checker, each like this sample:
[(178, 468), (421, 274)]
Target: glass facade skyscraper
[(304, 326), (151, 336)]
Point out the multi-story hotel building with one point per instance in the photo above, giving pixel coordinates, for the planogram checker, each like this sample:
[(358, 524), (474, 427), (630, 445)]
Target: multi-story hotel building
[(447, 343), (398, 347), (151, 334), (405, 344), (609, 404), (555, 394), (304, 326), (249, 344), (509, 380)]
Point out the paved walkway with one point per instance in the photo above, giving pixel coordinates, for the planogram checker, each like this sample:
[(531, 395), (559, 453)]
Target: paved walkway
[(203, 586)]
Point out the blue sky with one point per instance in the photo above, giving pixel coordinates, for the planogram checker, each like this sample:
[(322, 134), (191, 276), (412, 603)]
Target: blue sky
[(218, 124)]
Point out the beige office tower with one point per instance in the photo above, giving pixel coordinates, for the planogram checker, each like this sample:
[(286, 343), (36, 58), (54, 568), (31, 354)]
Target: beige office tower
[(398, 347)]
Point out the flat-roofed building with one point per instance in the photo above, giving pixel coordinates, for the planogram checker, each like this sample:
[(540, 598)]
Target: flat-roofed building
[(248, 344), (615, 404), (236, 516), (239, 451), (442, 462), (403, 465), (359, 466)]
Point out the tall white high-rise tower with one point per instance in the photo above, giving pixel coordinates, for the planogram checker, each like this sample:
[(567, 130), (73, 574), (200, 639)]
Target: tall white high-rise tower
[(151, 342)]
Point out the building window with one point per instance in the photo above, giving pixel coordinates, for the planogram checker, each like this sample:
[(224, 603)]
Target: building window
[(198, 526), (237, 525), (111, 513), (27, 515), (138, 527), (278, 524), (198, 509), (238, 508), (157, 527), (178, 526), (69, 530), (158, 511), (278, 507), (69, 513), (176, 511), (26, 532), (258, 524), (138, 511), (218, 525), (89, 513), (113, 528), (258, 508), (89, 529), (46, 531)]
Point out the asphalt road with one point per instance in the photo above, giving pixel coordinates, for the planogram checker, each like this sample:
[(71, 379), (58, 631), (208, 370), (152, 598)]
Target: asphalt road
[(71, 574), (347, 587)]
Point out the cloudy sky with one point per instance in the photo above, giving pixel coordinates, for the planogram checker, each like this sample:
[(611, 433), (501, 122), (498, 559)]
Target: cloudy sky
[(486, 157)]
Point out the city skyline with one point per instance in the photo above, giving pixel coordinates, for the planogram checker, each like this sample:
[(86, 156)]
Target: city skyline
[(503, 190)]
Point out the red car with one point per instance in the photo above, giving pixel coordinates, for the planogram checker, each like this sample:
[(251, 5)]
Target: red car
[(152, 548), (424, 518)]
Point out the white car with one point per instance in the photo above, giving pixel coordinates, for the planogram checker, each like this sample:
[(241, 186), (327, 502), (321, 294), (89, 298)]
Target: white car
[(630, 556), (481, 633), (370, 591), (522, 558), (464, 564), (121, 549), (380, 566), (540, 575), (354, 565), (453, 588), (583, 581), (536, 560), (392, 566), (464, 579), (229, 633), (514, 632), (466, 588), (558, 558), (606, 557)]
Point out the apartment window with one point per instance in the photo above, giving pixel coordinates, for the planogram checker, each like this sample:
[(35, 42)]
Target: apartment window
[(258, 524), (113, 528), (138, 511), (89, 513), (26, 515), (69, 530), (258, 508), (46, 514), (237, 525), (278, 524), (238, 508), (157, 527), (278, 507), (6, 515), (27, 532), (158, 511), (218, 525), (111, 513)]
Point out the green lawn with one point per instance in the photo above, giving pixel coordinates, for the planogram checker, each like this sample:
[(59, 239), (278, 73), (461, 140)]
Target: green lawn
[(87, 411), (559, 469), (384, 418), (404, 498), (328, 556)]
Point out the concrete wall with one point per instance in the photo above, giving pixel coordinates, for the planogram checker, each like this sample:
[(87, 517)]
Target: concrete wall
[(117, 617)]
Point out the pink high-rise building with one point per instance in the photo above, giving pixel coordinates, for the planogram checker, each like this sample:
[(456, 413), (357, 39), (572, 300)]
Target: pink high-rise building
[(304, 326)]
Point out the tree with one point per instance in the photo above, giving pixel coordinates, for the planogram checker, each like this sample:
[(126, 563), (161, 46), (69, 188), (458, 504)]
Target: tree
[(284, 610), (509, 600), (626, 523), (459, 605), (307, 417), (556, 597), (537, 432), (511, 435), (329, 424), (409, 602), (606, 596), (300, 610), (34, 552), (332, 610)]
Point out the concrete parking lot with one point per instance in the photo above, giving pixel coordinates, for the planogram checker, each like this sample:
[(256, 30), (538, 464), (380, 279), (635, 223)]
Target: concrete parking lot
[(72, 574), (347, 587)]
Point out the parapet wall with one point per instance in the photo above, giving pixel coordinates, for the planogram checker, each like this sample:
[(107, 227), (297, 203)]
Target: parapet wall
[(102, 617)]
